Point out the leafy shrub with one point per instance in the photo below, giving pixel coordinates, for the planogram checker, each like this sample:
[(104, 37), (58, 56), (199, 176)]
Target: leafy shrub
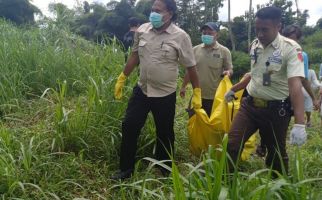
[(241, 63)]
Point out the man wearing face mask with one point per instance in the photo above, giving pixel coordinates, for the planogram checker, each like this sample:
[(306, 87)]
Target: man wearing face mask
[(213, 61), (159, 46)]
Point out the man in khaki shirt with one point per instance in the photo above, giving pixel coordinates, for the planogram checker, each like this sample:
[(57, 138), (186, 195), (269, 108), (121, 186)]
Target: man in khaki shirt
[(159, 46), (276, 73), (213, 61)]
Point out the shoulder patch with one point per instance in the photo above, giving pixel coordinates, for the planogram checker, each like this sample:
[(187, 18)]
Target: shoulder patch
[(299, 55)]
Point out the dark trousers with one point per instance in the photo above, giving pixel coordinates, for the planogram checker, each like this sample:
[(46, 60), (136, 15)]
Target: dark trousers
[(163, 111), (272, 129), (207, 105)]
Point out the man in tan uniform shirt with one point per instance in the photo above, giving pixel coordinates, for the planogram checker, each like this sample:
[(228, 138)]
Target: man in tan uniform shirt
[(160, 46), (213, 61), (276, 73)]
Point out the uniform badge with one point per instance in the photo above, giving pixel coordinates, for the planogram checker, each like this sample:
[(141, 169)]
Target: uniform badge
[(300, 56), (216, 55)]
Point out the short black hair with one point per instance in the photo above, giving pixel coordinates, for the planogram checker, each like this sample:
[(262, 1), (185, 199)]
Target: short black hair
[(291, 29), (271, 13), (133, 21), (171, 6)]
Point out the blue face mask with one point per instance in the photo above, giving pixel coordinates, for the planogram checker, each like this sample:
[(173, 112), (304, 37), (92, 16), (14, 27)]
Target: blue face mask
[(207, 39), (156, 19)]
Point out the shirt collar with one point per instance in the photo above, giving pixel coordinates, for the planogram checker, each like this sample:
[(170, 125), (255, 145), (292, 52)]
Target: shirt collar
[(276, 43), (170, 29)]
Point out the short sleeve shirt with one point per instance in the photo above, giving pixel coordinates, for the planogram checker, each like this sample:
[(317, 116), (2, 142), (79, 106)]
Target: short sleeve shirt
[(211, 62), (282, 59), (160, 55)]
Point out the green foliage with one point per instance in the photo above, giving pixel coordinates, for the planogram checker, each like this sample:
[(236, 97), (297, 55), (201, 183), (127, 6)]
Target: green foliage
[(241, 63), (60, 132), (18, 11), (193, 14), (312, 45), (64, 15), (319, 23), (110, 20), (144, 7)]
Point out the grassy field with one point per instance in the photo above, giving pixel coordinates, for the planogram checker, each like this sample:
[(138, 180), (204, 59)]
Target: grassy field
[(60, 132)]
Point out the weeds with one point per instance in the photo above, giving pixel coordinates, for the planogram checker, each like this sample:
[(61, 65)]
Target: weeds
[(60, 132)]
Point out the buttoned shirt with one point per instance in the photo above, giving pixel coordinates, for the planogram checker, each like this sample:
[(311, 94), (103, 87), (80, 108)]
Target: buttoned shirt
[(160, 55), (211, 62), (282, 59)]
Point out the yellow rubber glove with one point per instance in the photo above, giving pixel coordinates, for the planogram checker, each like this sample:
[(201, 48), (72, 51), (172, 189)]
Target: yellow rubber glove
[(196, 98), (119, 86)]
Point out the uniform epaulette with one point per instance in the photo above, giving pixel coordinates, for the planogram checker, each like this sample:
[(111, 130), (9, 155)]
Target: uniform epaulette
[(290, 41)]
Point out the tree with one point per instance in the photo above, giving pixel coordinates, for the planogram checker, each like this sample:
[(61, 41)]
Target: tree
[(87, 7), (319, 23), (64, 16), (193, 14), (230, 29), (144, 7), (297, 9), (250, 21), (18, 11)]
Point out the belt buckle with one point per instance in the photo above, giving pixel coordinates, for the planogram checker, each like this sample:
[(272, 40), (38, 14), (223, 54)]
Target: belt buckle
[(260, 103)]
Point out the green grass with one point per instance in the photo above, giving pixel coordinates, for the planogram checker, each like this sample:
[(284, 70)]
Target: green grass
[(60, 132)]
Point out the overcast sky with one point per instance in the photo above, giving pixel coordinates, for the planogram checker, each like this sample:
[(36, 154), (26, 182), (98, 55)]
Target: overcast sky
[(238, 7)]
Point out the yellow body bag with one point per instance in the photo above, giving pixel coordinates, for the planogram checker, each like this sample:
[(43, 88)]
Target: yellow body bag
[(204, 131)]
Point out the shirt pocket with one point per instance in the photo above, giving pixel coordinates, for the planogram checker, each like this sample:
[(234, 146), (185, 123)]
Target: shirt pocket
[(169, 52), (216, 63), (142, 47), (274, 68)]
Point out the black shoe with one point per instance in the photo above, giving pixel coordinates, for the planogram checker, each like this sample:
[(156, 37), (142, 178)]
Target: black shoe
[(121, 175)]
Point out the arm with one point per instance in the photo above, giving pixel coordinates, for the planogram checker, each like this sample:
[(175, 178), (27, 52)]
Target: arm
[(131, 63), (307, 86), (297, 99), (192, 73), (241, 84), (228, 66), (185, 82), (314, 81)]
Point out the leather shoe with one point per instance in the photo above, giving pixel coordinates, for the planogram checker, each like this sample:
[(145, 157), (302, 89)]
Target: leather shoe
[(121, 175)]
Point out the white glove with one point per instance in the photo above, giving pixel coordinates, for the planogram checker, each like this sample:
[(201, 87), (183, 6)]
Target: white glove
[(229, 96), (298, 134)]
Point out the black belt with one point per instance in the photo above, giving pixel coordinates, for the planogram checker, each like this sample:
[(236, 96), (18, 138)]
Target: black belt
[(262, 103)]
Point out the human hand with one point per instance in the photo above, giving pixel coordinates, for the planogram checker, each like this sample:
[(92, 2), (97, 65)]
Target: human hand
[(229, 96), (196, 98), (227, 72), (316, 104), (298, 134), (119, 86), (182, 92)]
